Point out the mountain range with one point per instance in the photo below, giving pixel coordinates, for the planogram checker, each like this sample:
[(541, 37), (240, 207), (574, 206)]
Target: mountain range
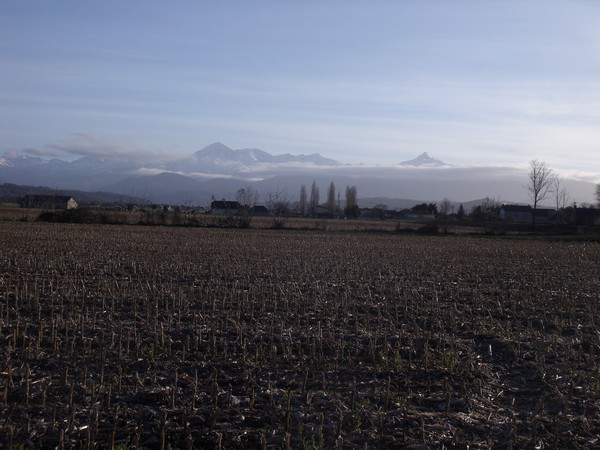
[(218, 172)]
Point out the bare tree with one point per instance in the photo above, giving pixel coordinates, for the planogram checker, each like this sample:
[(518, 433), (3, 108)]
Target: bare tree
[(351, 209), (380, 209), (487, 210), (295, 207), (303, 200), (247, 197), (598, 194), (445, 207), (539, 187), (278, 204), (331, 199), (559, 194), (314, 198), (492, 206)]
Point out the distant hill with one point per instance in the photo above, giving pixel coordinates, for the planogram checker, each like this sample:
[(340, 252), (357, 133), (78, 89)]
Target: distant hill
[(10, 193)]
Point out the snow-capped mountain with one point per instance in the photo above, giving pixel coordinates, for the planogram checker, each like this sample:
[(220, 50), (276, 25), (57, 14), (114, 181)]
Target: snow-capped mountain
[(218, 158), (9, 160), (218, 171), (219, 152), (98, 173), (424, 160)]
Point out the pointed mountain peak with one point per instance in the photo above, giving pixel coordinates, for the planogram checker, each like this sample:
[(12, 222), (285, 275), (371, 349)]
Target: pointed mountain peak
[(215, 148), (424, 159)]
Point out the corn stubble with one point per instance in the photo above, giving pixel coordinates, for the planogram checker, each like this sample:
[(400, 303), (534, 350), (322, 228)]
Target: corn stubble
[(128, 337)]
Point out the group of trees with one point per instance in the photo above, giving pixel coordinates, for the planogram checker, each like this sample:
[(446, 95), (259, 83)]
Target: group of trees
[(488, 210), (280, 204), (545, 183), (308, 206)]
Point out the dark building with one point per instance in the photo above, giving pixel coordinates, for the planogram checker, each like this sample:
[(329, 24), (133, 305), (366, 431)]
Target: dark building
[(48, 202)]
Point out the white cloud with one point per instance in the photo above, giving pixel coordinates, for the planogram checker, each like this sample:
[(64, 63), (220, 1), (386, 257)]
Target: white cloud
[(84, 144), (47, 152)]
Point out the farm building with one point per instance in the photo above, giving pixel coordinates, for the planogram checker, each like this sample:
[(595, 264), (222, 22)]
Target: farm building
[(321, 211), (232, 208), (224, 207), (585, 216), (524, 213), (408, 215), (48, 202), (516, 213), (545, 215), (260, 210)]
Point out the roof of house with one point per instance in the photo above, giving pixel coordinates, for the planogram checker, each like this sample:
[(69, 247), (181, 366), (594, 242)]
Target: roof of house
[(45, 198), (224, 204), (585, 213), (517, 208), (545, 212)]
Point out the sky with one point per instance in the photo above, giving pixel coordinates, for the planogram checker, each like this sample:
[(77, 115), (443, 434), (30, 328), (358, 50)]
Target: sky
[(471, 82)]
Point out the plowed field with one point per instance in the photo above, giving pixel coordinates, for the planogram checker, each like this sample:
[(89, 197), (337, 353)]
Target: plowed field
[(149, 337)]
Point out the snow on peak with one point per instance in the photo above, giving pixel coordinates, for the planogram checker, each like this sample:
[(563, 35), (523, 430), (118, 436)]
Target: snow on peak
[(424, 159), (218, 154)]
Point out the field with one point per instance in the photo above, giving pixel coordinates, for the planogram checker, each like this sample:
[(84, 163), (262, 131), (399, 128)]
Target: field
[(154, 337)]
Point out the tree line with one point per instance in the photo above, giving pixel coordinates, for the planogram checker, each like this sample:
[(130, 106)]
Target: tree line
[(309, 206), (543, 184)]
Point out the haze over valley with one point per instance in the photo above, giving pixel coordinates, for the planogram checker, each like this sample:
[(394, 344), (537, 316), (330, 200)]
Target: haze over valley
[(217, 172)]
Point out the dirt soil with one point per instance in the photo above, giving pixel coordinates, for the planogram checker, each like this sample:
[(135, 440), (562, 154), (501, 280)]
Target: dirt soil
[(151, 337)]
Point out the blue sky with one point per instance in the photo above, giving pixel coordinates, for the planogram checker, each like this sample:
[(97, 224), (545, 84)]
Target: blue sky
[(471, 82)]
